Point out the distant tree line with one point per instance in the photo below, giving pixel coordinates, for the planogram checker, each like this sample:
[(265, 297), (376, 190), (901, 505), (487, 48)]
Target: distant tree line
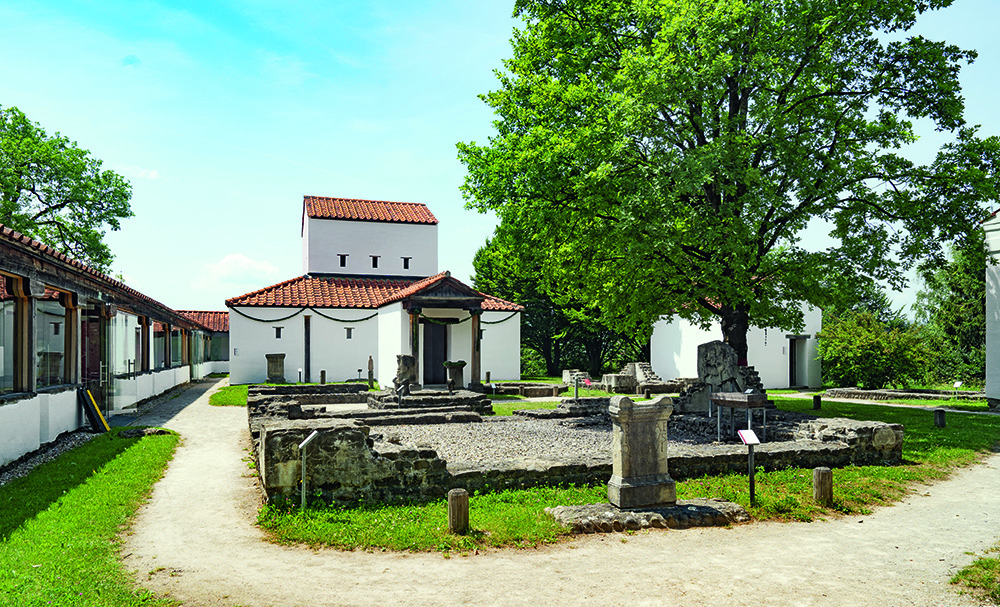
[(864, 342)]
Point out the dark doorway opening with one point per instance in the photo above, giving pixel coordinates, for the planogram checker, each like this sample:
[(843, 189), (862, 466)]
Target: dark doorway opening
[(435, 353)]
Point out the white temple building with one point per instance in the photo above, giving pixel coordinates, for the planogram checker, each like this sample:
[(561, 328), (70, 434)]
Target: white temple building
[(371, 288), (782, 359)]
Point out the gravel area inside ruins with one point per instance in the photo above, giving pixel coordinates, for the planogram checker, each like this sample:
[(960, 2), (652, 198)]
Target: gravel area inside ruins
[(507, 438)]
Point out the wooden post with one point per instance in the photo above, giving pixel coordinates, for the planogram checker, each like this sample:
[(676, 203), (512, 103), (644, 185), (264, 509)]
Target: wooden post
[(307, 354), (823, 486), (458, 511), (144, 343), (322, 376), (476, 368), (939, 418), (415, 343), (817, 402)]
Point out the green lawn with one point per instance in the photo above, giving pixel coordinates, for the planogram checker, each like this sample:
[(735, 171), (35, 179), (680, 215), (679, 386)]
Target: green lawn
[(59, 525), (510, 407), (230, 396)]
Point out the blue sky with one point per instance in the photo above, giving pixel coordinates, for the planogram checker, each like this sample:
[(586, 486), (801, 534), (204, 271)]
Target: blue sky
[(224, 114)]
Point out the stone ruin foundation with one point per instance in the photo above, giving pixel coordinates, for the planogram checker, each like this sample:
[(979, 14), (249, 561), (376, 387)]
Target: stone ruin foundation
[(354, 462)]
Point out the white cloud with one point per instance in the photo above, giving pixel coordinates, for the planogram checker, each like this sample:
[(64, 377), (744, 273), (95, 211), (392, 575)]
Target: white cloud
[(236, 270)]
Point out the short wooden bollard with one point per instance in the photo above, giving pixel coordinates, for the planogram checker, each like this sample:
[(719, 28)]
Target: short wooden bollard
[(322, 376), (817, 402), (823, 486), (939, 418), (458, 511)]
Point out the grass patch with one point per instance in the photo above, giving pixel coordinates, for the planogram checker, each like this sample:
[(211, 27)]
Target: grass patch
[(964, 439), (218, 375), (982, 577), (59, 525), (951, 403), (230, 396), (509, 408), (786, 495), (508, 518)]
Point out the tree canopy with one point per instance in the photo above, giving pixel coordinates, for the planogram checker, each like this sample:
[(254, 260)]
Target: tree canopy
[(663, 157), (56, 193), (563, 336)]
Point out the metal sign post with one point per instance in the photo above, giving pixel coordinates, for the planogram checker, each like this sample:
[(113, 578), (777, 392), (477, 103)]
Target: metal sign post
[(302, 451), (750, 439)]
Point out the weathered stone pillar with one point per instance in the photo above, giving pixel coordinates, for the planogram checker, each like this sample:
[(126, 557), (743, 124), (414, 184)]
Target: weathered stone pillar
[(415, 343), (275, 368), (477, 351), (640, 476)]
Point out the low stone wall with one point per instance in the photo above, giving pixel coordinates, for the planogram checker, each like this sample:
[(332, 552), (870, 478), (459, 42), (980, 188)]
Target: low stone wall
[(930, 395), (349, 469), (460, 399), (528, 390), (322, 394)]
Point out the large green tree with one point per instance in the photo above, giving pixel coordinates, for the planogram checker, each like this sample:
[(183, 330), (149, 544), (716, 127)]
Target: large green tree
[(663, 157), (55, 192), (563, 335), (953, 306)]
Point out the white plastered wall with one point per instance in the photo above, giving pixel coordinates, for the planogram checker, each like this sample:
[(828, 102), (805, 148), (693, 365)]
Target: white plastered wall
[(333, 351), (393, 339), (992, 228), (674, 350), (324, 240), (250, 340), (501, 345)]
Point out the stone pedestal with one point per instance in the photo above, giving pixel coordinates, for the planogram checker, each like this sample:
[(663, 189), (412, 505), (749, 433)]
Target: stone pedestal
[(640, 476), (456, 375), (275, 368)]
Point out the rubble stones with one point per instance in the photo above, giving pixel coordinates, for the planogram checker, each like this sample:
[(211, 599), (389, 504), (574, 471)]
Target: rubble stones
[(606, 518)]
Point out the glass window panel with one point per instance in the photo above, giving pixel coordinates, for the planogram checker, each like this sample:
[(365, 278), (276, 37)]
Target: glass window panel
[(50, 343), (7, 325)]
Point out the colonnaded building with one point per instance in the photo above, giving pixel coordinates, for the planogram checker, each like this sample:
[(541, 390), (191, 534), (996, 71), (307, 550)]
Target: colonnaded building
[(65, 328), (371, 289)]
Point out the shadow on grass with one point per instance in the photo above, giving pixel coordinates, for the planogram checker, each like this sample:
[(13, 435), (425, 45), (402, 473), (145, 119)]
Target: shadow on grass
[(24, 498)]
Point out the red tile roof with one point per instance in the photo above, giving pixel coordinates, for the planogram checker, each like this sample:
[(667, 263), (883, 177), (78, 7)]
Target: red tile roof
[(322, 207), (214, 321), (106, 281), (349, 292)]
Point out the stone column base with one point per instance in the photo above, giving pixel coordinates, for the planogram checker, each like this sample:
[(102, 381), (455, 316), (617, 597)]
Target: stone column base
[(642, 492)]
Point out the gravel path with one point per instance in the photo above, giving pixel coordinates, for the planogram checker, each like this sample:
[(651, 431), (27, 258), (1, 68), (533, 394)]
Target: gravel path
[(195, 540)]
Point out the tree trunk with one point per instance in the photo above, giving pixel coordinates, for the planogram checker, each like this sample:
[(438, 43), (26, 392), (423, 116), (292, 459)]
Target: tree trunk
[(555, 365), (735, 324)]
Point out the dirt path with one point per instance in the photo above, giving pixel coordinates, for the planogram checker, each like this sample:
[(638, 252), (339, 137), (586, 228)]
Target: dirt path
[(195, 540)]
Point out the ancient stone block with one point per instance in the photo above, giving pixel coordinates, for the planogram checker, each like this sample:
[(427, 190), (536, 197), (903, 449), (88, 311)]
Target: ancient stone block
[(640, 475), (717, 366), (275, 368)]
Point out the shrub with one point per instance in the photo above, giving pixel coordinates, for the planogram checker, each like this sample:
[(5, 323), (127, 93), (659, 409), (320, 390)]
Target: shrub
[(858, 350), (532, 363)]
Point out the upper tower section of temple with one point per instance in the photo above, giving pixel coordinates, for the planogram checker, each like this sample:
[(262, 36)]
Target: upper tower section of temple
[(368, 237)]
